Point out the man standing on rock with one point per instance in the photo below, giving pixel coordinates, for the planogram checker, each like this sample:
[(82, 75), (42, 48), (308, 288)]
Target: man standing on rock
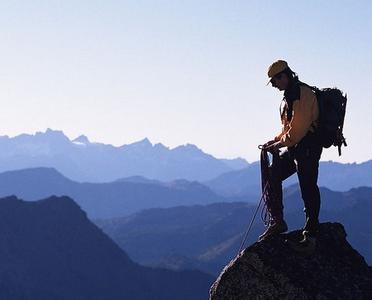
[(299, 116)]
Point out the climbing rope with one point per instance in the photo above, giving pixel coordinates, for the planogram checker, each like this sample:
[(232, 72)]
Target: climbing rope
[(252, 221), (267, 191)]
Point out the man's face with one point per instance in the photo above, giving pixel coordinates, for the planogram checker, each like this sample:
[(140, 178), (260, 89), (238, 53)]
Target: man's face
[(280, 81)]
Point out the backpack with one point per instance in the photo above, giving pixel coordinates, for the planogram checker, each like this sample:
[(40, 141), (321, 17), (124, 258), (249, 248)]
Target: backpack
[(332, 108)]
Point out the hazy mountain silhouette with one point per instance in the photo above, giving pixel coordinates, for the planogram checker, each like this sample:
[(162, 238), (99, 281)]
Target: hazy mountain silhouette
[(207, 237), (50, 250), (236, 163), (140, 179), (105, 200), (336, 176), (83, 160)]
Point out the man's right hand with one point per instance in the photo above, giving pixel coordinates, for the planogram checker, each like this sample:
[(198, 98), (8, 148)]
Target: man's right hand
[(268, 144)]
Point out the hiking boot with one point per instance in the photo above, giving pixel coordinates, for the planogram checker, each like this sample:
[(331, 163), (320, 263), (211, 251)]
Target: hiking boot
[(311, 225), (274, 228), (307, 245)]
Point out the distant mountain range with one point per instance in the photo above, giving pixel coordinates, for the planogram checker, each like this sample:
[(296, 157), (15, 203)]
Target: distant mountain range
[(335, 176), (50, 250), (207, 237), (178, 209), (106, 200), (124, 196), (82, 160)]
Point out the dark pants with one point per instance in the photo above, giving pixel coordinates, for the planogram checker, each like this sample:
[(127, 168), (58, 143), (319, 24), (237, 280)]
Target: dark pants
[(303, 159)]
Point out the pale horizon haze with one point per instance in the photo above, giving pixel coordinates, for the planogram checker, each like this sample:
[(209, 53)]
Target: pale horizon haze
[(179, 72)]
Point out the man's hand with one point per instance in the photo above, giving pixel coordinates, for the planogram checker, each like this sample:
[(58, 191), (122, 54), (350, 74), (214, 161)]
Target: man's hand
[(274, 147), (268, 144)]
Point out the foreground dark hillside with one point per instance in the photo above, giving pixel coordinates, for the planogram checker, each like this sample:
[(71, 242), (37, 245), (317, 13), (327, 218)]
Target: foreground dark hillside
[(207, 237), (50, 250)]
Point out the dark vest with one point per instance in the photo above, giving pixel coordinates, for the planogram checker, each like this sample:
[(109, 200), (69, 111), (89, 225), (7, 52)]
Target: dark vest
[(291, 94)]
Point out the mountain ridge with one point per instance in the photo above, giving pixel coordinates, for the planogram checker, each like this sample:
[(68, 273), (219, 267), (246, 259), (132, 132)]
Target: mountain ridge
[(333, 175), (207, 236), (50, 250), (104, 200), (79, 158)]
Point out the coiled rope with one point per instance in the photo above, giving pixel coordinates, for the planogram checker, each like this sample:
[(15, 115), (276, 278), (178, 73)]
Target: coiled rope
[(265, 195)]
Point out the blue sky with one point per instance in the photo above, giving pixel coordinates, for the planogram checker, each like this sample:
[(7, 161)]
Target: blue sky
[(179, 72)]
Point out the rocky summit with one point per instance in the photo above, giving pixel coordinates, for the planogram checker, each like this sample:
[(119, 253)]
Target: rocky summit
[(273, 269)]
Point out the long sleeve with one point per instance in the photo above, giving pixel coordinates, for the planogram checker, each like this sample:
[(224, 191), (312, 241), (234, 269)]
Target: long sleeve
[(284, 124), (305, 112), (279, 136)]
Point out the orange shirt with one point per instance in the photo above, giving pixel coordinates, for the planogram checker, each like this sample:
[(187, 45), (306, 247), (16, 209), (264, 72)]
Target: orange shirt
[(305, 113)]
